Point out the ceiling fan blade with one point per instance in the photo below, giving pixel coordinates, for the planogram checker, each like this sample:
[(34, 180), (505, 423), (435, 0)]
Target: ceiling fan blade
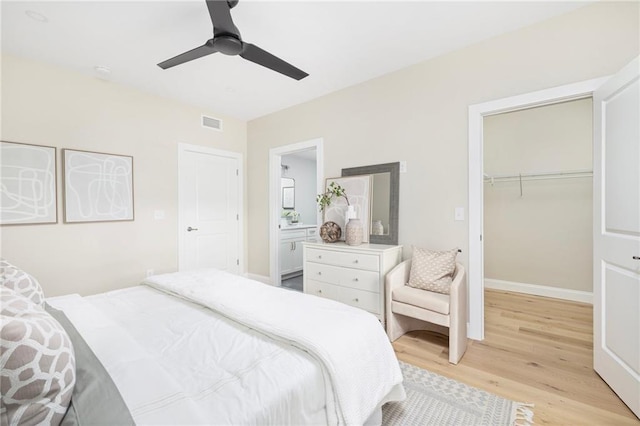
[(253, 53), (198, 52), (220, 14)]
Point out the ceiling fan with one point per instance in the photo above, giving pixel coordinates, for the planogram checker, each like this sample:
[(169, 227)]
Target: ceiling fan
[(226, 39)]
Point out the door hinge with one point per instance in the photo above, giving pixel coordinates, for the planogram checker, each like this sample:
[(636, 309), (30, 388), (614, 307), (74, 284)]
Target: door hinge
[(238, 262), (237, 172), (480, 237), (238, 216)]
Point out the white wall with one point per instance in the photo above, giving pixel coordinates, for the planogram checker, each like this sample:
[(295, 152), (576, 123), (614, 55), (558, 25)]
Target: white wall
[(303, 170), (47, 105), (420, 114), (543, 237)]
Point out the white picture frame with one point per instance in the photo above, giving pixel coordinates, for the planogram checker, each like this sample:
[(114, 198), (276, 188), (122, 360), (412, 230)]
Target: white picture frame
[(98, 187), (358, 190), (28, 175)]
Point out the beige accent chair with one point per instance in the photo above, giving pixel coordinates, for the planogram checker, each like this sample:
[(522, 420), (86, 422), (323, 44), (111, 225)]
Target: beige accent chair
[(410, 309)]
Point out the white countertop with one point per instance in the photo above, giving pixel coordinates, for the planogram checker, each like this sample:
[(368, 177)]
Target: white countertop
[(297, 226)]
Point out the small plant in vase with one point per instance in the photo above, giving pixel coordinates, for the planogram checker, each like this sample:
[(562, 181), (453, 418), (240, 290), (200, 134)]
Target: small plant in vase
[(294, 215), (353, 228)]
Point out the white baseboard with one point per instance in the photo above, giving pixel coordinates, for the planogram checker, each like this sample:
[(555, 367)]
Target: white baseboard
[(261, 278), (540, 290)]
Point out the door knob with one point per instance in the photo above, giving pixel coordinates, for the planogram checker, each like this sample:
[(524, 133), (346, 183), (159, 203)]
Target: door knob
[(191, 229)]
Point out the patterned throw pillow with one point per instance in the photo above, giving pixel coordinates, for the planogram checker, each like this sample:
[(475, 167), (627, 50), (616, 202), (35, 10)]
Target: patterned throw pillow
[(432, 270), (23, 283), (37, 363)]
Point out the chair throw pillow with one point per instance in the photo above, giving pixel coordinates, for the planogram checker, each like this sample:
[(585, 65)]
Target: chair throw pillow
[(432, 270), (21, 282), (38, 368)]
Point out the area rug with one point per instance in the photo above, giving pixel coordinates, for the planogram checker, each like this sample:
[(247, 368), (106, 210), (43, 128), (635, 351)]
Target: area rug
[(436, 400)]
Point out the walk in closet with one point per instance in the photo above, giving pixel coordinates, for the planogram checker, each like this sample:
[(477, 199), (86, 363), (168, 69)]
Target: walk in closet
[(538, 200)]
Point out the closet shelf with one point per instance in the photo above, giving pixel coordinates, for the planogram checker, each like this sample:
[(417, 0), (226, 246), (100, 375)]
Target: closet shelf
[(568, 174)]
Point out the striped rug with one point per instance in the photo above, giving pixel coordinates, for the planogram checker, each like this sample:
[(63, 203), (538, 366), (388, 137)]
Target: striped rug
[(436, 400)]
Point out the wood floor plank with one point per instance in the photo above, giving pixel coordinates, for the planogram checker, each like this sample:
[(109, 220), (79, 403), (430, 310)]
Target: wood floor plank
[(536, 350)]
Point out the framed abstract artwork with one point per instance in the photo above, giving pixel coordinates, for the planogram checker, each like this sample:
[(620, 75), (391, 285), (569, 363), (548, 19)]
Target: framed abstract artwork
[(98, 187), (28, 190), (358, 191)]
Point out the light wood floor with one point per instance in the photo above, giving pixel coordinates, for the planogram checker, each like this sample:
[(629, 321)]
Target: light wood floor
[(536, 350)]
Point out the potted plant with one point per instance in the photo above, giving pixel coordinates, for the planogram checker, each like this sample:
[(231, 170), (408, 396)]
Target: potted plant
[(294, 215)]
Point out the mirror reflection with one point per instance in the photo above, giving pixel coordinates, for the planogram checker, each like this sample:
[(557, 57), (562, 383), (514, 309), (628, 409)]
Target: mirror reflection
[(288, 187), (380, 194), (384, 200)]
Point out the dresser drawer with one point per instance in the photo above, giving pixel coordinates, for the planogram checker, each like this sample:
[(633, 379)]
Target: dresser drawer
[(321, 289), (323, 273), (360, 280), (360, 299), (368, 262), (346, 277)]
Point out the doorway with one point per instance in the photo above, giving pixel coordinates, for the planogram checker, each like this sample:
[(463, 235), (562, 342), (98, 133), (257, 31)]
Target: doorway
[(296, 176), (538, 201), (476, 180), (210, 209)]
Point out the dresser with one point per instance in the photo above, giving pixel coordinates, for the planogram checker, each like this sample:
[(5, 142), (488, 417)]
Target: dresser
[(350, 274)]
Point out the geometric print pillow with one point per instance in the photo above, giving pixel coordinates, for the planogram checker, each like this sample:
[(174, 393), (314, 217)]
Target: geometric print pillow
[(21, 282), (432, 270), (37, 362)]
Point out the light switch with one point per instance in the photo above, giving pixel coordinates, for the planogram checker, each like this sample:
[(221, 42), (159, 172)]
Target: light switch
[(158, 214), (459, 213), (403, 167)]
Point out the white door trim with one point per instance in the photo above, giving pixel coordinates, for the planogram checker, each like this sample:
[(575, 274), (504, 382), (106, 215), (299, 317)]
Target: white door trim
[(275, 155), (477, 112), (184, 147)]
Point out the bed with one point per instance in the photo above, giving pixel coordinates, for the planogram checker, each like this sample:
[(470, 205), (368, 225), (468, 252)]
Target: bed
[(208, 347)]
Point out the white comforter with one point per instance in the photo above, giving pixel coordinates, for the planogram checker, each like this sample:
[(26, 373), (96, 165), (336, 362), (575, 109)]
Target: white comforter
[(355, 353), (177, 363)]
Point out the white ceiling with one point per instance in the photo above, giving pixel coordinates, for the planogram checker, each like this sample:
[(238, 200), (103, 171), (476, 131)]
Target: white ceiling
[(338, 43)]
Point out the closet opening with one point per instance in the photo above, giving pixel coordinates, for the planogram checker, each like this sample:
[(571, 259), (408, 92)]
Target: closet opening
[(538, 201)]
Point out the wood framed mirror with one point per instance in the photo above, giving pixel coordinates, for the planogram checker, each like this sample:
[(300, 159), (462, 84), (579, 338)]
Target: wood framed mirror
[(384, 200)]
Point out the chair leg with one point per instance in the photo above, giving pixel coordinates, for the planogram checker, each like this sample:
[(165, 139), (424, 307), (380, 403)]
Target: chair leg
[(457, 342)]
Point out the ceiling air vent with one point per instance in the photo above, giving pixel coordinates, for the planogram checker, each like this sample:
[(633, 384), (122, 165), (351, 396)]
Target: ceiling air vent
[(211, 123)]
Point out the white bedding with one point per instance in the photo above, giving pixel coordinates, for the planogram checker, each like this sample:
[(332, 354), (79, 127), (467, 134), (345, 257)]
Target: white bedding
[(178, 362)]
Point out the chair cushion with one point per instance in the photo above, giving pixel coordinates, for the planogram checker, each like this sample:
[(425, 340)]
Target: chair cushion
[(432, 270), (428, 300)]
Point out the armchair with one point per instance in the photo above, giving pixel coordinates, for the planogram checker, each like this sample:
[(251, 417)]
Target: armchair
[(410, 309)]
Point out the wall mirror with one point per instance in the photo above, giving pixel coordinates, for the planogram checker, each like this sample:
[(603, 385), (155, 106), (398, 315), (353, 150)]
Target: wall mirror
[(384, 200), (288, 186)]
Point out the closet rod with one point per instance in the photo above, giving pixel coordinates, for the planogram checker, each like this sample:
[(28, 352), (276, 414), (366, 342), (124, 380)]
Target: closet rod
[(538, 176)]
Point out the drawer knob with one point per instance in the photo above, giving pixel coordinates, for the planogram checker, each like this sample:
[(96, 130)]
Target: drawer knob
[(319, 273), (319, 291), (356, 279), (355, 261), (319, 257), (356, 299)]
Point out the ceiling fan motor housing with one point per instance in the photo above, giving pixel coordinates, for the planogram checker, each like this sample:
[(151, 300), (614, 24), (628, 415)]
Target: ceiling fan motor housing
[(227, 44)]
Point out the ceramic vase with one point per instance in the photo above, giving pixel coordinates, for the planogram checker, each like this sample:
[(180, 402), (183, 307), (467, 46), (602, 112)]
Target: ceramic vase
[(349, 214), (354, 232), (377, 228)]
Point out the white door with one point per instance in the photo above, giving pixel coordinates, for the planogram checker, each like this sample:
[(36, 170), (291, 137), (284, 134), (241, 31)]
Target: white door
[(616, 156), (209, 210)]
